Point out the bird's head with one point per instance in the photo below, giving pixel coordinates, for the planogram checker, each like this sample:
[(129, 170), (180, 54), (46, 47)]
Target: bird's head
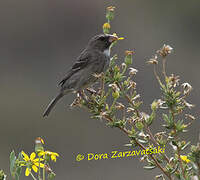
[(102, 41)]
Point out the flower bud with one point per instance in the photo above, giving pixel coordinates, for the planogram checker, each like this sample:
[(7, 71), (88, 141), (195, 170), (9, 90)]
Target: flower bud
[(139, 125), (107, 107), (132, 71), (115, 94), (128, 57), (39, 144), (154, 105), (106, 28)]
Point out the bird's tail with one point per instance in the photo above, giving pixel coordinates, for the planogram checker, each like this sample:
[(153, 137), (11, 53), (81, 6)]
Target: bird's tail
[(52, 104)]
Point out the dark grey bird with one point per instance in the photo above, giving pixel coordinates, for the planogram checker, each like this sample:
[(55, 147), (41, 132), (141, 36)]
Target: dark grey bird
[(93, 60)]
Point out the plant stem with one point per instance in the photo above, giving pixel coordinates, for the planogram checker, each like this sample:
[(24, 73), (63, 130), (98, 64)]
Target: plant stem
[(32, 176), (198, 164), (164, 67), (43, 173), (44, 169), (39, 177), (156, 75)]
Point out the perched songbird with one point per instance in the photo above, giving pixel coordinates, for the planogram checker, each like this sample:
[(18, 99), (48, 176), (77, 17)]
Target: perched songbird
[(93, 60)]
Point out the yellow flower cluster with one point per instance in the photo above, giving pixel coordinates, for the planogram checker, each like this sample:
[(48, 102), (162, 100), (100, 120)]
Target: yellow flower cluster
[(33, 163), (185, 158)]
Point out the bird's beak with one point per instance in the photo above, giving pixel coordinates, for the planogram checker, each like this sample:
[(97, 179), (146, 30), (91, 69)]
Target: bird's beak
[(113, 39)]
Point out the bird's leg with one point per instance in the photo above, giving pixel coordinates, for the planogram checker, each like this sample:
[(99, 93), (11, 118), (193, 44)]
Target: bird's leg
[(76, 101), (82, 95)]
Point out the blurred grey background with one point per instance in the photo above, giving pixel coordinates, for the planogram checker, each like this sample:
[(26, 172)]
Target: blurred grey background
[(40, 39)]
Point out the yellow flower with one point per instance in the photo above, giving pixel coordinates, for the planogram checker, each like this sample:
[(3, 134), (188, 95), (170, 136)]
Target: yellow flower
[(185, 159), (31, 163), (53, 155)]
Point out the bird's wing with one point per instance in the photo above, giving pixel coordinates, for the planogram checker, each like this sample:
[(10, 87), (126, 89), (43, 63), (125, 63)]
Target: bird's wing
[(81, 63)]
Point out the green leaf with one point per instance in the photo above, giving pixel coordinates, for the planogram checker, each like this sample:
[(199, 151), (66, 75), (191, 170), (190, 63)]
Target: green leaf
[(151, 118), (16, 177), (12, 162), (139, 125), (168, 120)]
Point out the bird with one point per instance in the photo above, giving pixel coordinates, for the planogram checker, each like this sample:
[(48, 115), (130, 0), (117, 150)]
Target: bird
[(94, 59)]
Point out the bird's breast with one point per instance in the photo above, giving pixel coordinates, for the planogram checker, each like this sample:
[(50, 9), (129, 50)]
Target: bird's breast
[(107, 52)]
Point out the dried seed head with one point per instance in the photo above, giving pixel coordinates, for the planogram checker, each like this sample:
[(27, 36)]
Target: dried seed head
[(153, 60), (114, 87), (129, 109), (131, 84), (110, 8), (160, 103), (187, 88), (157, 104), (132, 71), (165, 50), (173, 80), (123, 65), (144, 116), (189, 116), (129, 53), (190, 106)]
